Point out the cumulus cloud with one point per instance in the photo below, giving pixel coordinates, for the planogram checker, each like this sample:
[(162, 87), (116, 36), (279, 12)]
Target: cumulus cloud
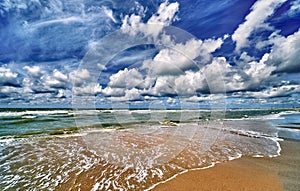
[(57, 84), (260, 11), (8, 77), (83, 84), (244, 58), (259, 72), (89, 89), (163, 86), (57, 80), (165, 14), (171, 69), (216, 77), (39, 80), (181, 57), (190, 83), (114, 92), (34, 71), (130, 95), (126, 79), (187, 83), (79, 77), (251, 76), (174, 70), (164, 17), (34, 80), (193, 48), (59, 76), (285, 53), (169, 62)]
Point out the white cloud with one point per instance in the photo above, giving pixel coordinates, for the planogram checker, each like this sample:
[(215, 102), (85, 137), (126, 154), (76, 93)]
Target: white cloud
[(260, 11), (35, 80), (211, 45), (101, 66), (83, 84), (126, 79), (221, 76), (88, 89), (115, 92), (9, 89), (132, 24), (194, 48), (181, 57), (168, 62), (190, 49), (245, 58), (164, 86), (209, 97), (60, 76), (186, 84), (61, 94), (165, 15), (171, 101), (189, 83), (217, 77), (285, 90), (259, 72), (285, 53), (57, 80), (7, 76), (109, 14), (173, 70), (220, 73), (80, 77), (130, 95), (41, 81), (34, 71)]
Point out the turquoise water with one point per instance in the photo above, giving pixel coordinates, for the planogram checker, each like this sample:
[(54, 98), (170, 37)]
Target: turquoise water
[(64, 149)]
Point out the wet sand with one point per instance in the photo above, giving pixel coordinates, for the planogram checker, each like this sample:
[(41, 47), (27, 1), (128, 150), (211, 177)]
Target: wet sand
[(245, 174)]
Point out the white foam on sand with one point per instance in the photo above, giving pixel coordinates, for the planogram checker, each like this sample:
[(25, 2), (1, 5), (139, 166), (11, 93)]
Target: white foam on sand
[(172, 177), (193, 169)]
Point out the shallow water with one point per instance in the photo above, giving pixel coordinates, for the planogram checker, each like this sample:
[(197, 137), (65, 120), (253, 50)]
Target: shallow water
[(128, 150)]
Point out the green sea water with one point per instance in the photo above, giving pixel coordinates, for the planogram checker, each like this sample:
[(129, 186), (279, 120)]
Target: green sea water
[(31, 122)]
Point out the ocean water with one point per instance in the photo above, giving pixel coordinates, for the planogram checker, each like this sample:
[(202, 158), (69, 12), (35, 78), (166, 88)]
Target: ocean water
[(66, 149)]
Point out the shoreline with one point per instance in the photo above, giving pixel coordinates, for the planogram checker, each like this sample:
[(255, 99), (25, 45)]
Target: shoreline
[(235, 175), (245, 173)]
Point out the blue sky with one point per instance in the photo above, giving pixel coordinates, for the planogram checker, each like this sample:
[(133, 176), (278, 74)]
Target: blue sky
[(187, 53)]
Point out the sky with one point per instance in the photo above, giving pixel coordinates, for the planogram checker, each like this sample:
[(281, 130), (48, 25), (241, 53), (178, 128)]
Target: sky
[(150, 54)]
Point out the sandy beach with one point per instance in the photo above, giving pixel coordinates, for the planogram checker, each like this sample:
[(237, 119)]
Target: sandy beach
[(244, 174)]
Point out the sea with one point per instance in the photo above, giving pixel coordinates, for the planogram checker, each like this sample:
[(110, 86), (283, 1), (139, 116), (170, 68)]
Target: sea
[(131, 149)]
